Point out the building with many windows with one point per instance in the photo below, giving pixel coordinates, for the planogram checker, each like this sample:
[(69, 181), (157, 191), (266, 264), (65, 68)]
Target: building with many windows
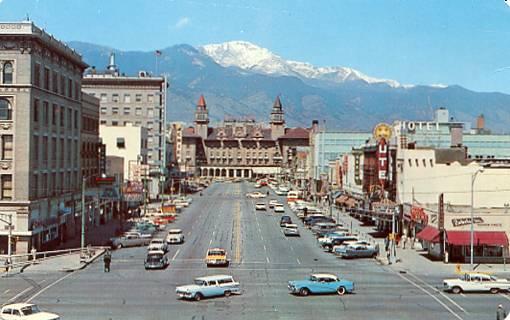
[(239, 148), (137, 101), (40, 130)]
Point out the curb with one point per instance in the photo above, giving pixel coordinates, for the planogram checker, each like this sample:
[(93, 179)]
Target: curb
[(86, 263)]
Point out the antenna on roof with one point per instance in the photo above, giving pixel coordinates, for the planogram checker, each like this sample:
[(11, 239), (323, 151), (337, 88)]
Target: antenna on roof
[(27, 18)]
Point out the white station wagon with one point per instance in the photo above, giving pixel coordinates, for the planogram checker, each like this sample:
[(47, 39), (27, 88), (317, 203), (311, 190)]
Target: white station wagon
[(25, 311), (211, 286)]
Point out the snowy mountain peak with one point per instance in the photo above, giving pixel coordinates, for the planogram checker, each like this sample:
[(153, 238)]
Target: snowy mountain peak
[(248, 56)]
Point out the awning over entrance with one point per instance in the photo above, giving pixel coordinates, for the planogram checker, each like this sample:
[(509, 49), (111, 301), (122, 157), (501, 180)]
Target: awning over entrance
[(429, 234), (488, 238)]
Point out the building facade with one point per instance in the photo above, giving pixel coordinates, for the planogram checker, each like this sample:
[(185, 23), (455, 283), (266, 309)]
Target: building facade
[(40, 121), (239, 148), (138, 101), (90, 141)]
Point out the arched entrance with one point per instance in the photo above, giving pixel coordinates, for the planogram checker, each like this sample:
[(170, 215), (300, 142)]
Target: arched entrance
[(211, 172)]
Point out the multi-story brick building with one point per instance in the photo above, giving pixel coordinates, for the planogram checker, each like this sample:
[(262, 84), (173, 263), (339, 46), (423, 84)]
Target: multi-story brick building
[(238, 148), (137, 101), (40, 130)]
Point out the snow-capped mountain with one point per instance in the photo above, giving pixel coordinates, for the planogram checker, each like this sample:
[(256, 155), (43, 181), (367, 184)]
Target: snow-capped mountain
[(248, 56)]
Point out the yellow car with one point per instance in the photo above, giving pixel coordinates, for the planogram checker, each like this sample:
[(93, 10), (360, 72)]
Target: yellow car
[(216, 257)]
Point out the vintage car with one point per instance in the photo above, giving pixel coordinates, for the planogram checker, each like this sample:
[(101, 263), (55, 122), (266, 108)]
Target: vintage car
[(211, 286), (255, 195), (358, 250), (158, 244), (260, 206), (476, 282), (290, 230), (156, 259), (279, 208), (321, 283), (216, 257), (129, 240), (328, 237), (272, 203), (284, 220), (174, 236), (25, 311), (338, 241)]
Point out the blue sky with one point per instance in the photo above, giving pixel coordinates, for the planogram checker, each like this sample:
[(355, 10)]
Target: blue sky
[(412, 41)]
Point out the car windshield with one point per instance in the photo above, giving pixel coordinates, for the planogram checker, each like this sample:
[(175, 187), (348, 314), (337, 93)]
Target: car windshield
[(200, 282), (216, 253), (174, 232), (154, 258), (29, 310)]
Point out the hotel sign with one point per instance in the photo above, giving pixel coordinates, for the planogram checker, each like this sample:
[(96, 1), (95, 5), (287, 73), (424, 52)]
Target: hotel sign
[(421, 125), (382, 161)]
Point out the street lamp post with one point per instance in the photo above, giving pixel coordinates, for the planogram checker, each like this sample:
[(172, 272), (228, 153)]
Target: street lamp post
[(9, 237), (472, 231)]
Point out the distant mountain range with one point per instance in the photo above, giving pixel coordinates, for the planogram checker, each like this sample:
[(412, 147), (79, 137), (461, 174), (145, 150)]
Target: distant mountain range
[(241, 79)]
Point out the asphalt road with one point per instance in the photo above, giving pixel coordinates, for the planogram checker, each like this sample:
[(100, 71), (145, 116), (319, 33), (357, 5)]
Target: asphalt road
[(262, 260)]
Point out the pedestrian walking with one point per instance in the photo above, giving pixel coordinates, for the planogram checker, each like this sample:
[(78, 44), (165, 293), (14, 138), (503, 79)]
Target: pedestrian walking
[(500, 313), (107, 260), (404, 241)]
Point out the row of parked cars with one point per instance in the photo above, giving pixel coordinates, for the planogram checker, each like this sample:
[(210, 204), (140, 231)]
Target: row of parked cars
[(158, 247), (332, 236)]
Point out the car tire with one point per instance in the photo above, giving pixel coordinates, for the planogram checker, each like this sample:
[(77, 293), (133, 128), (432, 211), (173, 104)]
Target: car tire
[(456, 290), (119, 246), (304, 292), (198, 296), (341, 291), (227, 293), (494, 290)]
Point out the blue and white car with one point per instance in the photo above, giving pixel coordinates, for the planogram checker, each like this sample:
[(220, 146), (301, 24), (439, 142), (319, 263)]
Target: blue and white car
[(321, 283), (210, 286)]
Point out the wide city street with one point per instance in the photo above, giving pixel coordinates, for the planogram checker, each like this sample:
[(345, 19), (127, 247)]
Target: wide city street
[(262, 260)]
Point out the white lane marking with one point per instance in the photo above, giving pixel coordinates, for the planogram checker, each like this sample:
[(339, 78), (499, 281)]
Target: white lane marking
[(50, 285), (438, 291), (432, 296), (299, 262), (213, 233), (7, 291), (265, 249), (504, 296), (267, 259), (175, 255), (261, 237), (19, 294), (462, 294), (189, 232), (210, 242), (43, 281)]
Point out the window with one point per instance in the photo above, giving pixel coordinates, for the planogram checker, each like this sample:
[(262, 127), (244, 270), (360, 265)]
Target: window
[(7, 73), (35, 186), (410, 162), (7, 147), (36, 148), (5, 109), (127, 98), (6, 187), (62, 116), (104, 97), (115, 110), (45, 149), (416, 161), (138, 123), (138, 111), (69, 118), (44, 184), (121, 143), (45, 113), (47, 78), (138, 98), (127, 111), (62, 84), (149, 125), (54, 82), (115, 97), (37, 75), (54, 112), (76, 116), (70, 88), (103, 122), (431, 162), (150, 98), (103, 110), (115, 123), (150, 112), (424, 163)]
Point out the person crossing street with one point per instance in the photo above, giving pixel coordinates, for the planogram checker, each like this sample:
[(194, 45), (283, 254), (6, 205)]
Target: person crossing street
[(107, 260)]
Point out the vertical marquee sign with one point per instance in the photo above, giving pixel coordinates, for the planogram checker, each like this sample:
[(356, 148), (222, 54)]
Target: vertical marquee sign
[(382, 134)]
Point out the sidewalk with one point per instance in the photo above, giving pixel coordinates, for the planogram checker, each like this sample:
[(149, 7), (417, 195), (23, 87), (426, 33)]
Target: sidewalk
[(94, 236), (414, 260), (66, 263)]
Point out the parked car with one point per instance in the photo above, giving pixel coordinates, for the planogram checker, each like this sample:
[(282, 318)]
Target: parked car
[(216, 257), (156, 259), (338, 241), (476, 282), (211, 286), (328, 237), (291, 230), (260, 206), (359, 251), (138, 233), (25, 311), (321, 228), (279, 208), (157, 244), (272, 203), (174, 236), (285, 220), (130, 240), (321, 283)]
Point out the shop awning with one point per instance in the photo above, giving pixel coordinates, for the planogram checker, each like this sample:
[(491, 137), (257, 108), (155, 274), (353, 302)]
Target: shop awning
[(429, 234), (488, 238)]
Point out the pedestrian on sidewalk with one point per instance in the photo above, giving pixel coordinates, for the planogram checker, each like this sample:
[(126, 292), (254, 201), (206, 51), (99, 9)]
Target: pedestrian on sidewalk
[(107, 260), (500, 313), (404, 241)]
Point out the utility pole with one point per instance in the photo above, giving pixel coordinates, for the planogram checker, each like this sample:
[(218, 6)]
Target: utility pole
[(472, 229), (392, 244), (83, 220), (9, 237), (145, 191)]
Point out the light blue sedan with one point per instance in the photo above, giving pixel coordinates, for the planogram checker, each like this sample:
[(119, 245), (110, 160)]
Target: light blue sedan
[(211, 286), (321, 283)]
